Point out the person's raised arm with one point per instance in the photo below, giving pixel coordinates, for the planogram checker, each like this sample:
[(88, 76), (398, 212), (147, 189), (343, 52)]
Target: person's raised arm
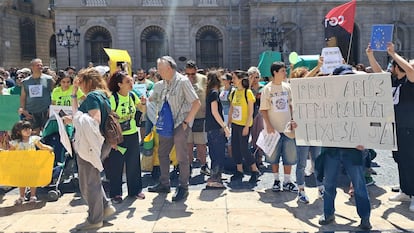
[(372, 60), (409, 70), (316, 69)]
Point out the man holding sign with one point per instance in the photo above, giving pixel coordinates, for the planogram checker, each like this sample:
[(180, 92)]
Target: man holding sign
[(403, 96)]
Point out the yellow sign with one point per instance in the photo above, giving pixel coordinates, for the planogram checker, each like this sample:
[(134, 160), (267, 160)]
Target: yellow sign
[(21, 168), (119, 60)]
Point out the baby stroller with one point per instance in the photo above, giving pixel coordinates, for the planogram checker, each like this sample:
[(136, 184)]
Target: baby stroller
[(64, 168)]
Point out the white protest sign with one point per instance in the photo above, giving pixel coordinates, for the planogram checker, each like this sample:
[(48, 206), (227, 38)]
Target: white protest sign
[(332, 58), (267, 142), (57, 108), (345, 111), (64, 138)]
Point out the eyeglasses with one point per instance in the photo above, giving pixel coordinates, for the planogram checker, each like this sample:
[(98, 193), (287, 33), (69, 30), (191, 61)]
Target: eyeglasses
[(1, 83), (190, 74)]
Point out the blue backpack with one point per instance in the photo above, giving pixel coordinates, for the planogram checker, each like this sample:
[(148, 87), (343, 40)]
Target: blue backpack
[(165, 121)]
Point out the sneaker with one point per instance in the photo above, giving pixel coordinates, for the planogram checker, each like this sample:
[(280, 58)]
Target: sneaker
[(254, 177), (237, 176), (117, 199), (325, 220), (399, 197), (365, 224), (205, 170), (19, 201), (109, 211), (369, 181), (289, 186), (88, 226), (140, 196), (321, 192), (180, 193), (411, 208), (302, 197), (276, 186), (159, 188), (32, 199)]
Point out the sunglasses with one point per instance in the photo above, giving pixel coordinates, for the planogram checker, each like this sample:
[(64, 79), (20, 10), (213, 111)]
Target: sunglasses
[(1, 83)]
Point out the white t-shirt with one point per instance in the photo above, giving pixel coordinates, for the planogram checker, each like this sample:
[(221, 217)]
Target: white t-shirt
[(276, 99)]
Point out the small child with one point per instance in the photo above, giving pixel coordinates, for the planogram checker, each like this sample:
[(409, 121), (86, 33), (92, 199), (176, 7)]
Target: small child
[(22, 139)]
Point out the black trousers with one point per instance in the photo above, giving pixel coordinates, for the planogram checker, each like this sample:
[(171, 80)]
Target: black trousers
[(114, 166), (405, 159)]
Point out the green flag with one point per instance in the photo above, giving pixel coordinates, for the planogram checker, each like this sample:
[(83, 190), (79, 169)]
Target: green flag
[(265, 61), (9, 104)]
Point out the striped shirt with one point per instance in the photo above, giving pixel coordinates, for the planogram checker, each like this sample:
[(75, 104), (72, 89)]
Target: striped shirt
[(180, 95)]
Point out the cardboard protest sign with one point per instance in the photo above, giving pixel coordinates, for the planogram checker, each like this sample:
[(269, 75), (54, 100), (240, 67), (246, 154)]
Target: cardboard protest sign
[(23, 168), (345, 111), (332, 58), (118, 58)]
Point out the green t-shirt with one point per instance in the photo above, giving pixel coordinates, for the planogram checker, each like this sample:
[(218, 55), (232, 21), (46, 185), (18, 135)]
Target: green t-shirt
[(94, 101), (16, 90), (63, 98), (126, 110)]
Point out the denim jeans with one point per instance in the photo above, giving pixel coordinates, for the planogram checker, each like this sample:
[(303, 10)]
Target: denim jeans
[(355, 172), (217, 142), (285, 148), (303, 152)]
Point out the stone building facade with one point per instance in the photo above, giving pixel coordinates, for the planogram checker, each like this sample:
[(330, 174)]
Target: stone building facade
[(26, 32), (219, 33)]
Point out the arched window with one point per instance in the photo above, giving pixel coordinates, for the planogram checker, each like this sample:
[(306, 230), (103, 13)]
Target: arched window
[(154, 44), (52, 52), (402, 39), (52, 46), (209, 47), (27, 39), (97, 38)]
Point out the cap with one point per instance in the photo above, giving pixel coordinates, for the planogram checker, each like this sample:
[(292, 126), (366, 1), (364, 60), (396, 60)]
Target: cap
[(102, 69), (343, 69), (24, 70)]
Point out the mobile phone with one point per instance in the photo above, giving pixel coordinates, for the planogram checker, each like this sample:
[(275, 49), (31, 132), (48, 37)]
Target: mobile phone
[(62, 113)]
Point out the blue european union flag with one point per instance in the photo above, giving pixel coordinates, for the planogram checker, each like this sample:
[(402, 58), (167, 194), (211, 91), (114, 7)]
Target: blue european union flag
[(381, 35)]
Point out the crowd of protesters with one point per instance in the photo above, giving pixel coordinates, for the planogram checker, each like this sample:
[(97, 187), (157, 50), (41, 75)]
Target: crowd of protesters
[(218, 113)]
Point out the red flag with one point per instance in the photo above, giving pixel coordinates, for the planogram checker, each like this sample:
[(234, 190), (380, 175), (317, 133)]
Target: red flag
[(343, 16)]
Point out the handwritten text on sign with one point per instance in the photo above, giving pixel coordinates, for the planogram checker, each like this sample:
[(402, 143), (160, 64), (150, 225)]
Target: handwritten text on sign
[(344, 111)]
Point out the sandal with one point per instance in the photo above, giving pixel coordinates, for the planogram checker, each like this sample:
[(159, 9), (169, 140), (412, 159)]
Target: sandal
[(19, 201), (33, 199), (140, 196)]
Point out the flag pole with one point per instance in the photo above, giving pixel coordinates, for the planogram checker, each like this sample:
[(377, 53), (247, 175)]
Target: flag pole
[(349, 48)]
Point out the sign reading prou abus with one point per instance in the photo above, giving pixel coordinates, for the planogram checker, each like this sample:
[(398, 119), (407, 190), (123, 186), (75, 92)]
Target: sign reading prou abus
[(345, 111)]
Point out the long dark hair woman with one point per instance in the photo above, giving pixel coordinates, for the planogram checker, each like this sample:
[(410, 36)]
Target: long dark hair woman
[(125, 103), (216, 128)]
